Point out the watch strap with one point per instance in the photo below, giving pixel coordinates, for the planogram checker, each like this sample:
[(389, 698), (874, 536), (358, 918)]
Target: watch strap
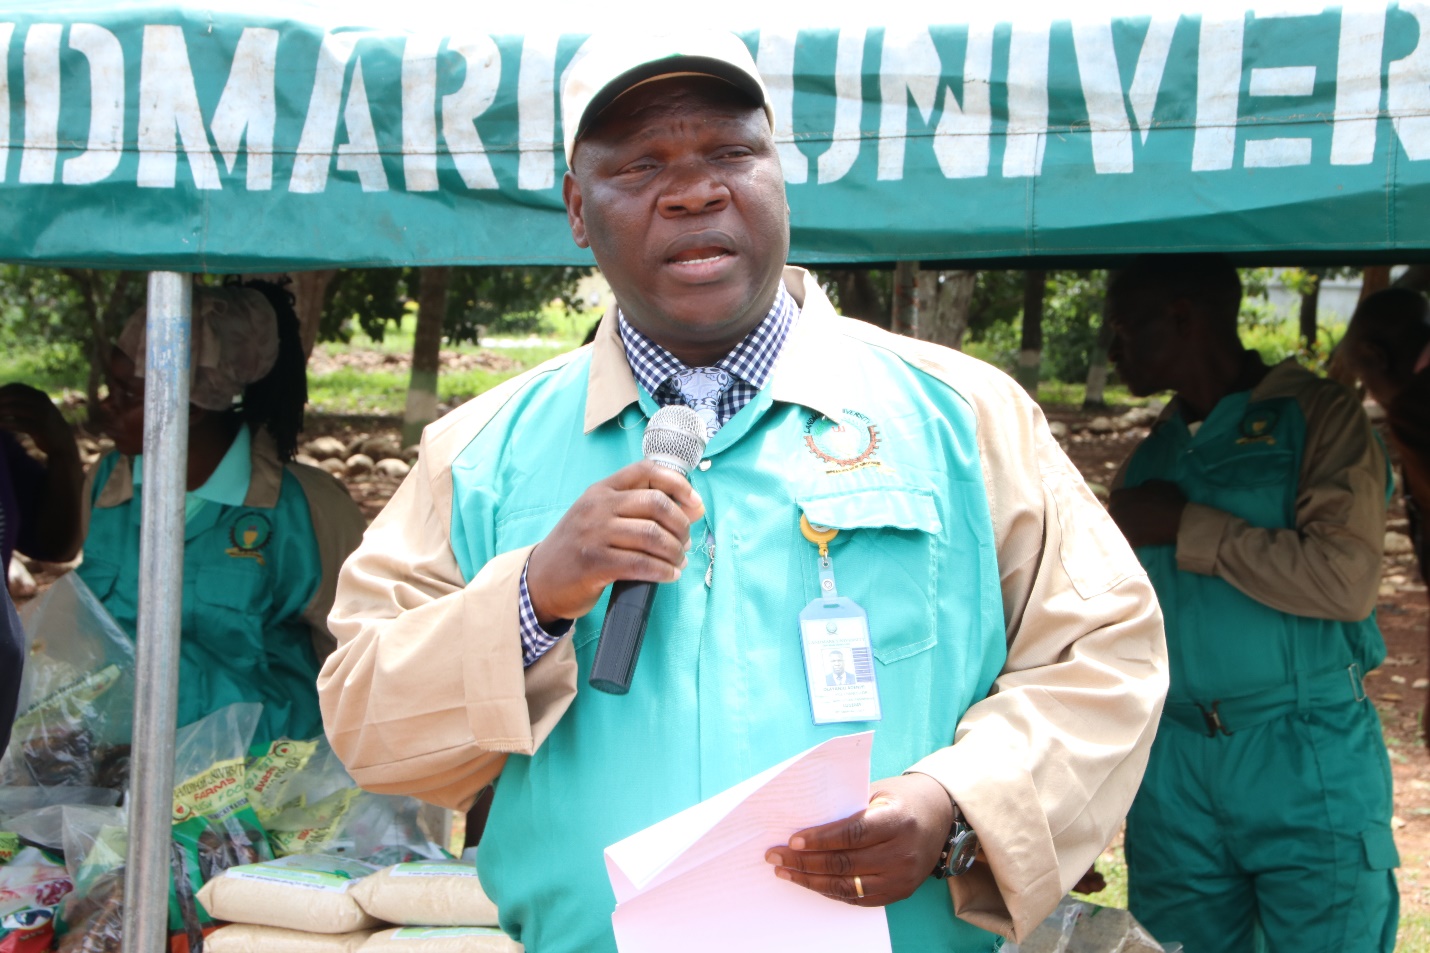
[(959, 851)]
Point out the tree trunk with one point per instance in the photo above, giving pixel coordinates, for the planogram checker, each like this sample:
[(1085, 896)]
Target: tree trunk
[(426, 353), (1373, 278), (859, 297), (1030, 356), (947, 317), (904, 309), (309, 290), (1095, 398), (1310, 306), (104, 316)]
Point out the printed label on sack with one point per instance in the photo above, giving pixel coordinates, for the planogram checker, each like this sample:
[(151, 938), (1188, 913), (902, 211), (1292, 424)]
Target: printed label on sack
[(306, 871), (435, 868), (212, 793), (270, 770), (82, 693), (437, 933)]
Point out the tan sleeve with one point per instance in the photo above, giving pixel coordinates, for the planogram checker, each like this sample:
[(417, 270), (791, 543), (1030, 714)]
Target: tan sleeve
[(1329, 565), (1045, 768), (337, 529), (425, 694)]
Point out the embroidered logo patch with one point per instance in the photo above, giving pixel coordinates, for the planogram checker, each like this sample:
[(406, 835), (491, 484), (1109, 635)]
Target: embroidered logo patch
[(1257, 425), (845, 444), (249, 533)]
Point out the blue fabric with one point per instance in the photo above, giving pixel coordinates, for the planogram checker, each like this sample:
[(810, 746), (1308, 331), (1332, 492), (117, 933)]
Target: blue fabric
[(720, 693), (12, 664)]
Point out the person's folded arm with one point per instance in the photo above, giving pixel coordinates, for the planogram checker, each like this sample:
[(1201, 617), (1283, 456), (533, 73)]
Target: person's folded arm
[(1328, 566), (1045, 768)]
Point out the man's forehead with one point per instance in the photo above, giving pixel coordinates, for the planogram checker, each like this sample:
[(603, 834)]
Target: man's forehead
[(645, 108)]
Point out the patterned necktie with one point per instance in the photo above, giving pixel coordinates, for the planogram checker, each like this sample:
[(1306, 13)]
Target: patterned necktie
[(701, 388)]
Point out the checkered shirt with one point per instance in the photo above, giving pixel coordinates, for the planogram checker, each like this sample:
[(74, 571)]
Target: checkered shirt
[(751, 363)]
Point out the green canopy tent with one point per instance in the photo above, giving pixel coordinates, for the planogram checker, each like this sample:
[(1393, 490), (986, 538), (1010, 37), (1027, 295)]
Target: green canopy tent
[(267, 136)]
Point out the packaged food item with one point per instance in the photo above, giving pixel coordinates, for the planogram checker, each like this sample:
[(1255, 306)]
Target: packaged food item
[(32, 884), (442, 940), (427, 893), (270, 772), (215, 827), (91, 918), (29, 941), (310, 892), (247, 938), (76, 695)]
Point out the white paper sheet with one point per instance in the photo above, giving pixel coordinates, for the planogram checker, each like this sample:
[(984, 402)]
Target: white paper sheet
[(698, 881)]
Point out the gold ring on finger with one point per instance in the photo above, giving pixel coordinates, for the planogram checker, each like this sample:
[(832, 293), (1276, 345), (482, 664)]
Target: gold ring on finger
[(858, 887)]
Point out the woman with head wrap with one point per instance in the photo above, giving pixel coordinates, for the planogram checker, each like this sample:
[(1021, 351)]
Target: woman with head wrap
[(264, 537)]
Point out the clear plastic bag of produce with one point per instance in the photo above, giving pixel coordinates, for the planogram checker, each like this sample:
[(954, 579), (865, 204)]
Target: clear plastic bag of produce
[(91, 919), (215, 827), (316, 806), (76, 695)]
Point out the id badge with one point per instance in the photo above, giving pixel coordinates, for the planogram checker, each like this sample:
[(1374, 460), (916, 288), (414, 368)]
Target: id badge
[(839, 662)]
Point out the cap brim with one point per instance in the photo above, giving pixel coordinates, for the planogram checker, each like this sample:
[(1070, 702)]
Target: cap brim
[(668, 66)]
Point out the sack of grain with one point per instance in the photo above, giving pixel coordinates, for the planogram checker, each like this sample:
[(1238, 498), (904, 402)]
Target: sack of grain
[(247, 938), (441, 940), (436, 893), (308, 892)]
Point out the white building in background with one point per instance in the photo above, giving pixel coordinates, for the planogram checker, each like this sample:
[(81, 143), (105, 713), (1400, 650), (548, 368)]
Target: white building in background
[(1338, 297)]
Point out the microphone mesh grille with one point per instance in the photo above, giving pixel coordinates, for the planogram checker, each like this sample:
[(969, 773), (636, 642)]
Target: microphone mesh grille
[(675, 438)]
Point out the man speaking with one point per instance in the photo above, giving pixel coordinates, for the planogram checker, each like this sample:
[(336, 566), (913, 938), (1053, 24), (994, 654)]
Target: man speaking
[(1016, 650)]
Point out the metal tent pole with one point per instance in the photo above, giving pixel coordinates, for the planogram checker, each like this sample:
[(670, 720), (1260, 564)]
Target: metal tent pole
[(161, 568)]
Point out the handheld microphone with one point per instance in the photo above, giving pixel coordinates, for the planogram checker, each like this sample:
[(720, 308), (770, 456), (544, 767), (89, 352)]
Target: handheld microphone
[(675, 439)]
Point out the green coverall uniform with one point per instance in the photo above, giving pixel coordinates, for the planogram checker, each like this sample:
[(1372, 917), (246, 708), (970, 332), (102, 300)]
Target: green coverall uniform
[(1264, 815), (258, 578)]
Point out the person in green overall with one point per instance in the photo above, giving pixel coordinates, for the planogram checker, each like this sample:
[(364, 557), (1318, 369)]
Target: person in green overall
[(263, 537), (1013, 640), (1257, 505)]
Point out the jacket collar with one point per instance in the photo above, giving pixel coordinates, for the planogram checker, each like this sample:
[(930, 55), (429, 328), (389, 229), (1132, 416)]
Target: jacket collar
[(264, 484), (807, 372)]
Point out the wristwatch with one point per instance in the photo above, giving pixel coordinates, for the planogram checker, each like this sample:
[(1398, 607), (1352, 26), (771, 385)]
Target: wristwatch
[(960, 851)]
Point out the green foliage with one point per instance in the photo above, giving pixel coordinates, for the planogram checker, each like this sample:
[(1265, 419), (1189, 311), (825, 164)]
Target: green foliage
[(373, 297), (501, 301), (349, 390), (1072, 314), (49, 319), (508, 301)]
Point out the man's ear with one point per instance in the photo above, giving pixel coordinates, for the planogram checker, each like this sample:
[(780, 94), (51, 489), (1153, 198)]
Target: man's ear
[(571, 194)]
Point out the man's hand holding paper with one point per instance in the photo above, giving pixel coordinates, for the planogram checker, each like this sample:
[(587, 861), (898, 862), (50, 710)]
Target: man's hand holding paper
[(890, 846)]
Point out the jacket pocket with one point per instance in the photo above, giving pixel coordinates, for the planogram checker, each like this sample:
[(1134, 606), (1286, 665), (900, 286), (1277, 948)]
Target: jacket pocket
[(231, 609), (1380, 851), (885, 559)]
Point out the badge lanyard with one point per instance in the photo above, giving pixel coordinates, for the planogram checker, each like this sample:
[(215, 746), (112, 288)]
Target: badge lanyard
[(838, 657)]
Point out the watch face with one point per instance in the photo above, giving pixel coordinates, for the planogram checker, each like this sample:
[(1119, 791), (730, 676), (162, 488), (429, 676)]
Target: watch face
[(964, 853)]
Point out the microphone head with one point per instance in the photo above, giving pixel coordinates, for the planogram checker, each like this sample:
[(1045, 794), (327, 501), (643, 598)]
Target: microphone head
[(675, 438)]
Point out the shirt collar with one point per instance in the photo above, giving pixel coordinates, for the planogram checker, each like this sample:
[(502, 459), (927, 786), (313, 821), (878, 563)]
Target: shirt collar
[(228, 484), (805, 374), (752, 360)]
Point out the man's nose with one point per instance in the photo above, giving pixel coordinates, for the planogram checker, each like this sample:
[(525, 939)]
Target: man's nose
[(693, 190)]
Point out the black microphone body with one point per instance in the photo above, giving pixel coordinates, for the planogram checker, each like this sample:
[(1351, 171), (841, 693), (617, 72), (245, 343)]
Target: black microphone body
[(674, 438)]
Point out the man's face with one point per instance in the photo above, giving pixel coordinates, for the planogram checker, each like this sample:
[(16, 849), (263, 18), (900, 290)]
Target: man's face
[(1144, 342), (836, 663), (678, 191)]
